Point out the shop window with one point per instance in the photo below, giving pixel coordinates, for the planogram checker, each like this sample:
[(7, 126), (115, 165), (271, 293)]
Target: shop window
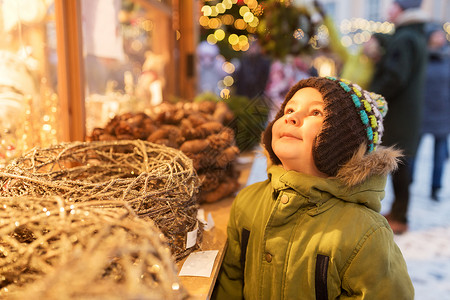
[(28, 99), (128, 57)]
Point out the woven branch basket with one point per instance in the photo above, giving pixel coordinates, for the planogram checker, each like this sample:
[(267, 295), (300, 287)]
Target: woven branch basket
[(157, 182), (51, 248)]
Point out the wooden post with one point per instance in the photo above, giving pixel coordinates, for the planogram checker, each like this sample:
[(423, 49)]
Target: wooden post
[(188, 32), (71, 84)]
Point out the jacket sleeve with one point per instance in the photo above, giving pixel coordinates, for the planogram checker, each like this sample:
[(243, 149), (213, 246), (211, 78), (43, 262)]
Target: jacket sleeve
[(229, 283), (377, 270)]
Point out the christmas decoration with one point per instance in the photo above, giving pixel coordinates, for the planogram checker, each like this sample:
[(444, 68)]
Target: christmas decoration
[(282, 26), (287, 28), (52, 248), (157, 182), (228, 23), (197, 129)]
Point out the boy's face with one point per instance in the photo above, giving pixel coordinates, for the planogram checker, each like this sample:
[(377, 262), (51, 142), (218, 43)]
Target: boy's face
[(293, 134)]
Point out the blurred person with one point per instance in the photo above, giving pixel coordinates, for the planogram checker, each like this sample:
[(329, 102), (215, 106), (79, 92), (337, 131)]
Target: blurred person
[(283, 74), (253, 73), (358, 66), (400, 77), (437, 102), (209, 67)]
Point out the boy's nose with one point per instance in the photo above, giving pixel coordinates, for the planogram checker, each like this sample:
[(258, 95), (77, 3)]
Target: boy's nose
[(294, 119)]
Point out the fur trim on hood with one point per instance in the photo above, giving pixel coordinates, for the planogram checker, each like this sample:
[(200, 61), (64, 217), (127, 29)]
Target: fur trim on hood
[(361, 166)]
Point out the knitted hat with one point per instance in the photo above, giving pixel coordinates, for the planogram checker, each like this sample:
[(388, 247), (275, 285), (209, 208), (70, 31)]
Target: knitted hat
[(407, 4), (353, 116)]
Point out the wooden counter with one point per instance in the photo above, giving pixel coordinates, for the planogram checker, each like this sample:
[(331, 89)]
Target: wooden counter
[(215, 239)]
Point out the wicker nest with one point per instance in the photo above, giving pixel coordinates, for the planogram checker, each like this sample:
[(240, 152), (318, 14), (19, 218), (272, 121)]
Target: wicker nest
[(197, 129), (52, 248), (157, 182)]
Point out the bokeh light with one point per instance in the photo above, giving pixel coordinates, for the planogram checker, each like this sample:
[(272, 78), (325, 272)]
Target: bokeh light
[(240, 24), (214, 23), (204, 21), (228, 81), (227, 3), (228, 67), (225, 93), (233, 39), (206, 10), (227, 19), (248, 17), (219, 34), (220, 7), (211, 39), (243, 10)]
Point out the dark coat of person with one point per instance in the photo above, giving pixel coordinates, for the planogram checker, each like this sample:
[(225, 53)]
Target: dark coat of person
[(437, 94), (400, 78), (252, 76)]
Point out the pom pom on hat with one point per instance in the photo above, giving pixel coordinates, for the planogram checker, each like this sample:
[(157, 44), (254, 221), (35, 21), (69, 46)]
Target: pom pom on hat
[(353, 116), (407, 4)]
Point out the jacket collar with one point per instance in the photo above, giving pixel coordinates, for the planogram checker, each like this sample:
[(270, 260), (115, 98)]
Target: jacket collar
[(319, 190)]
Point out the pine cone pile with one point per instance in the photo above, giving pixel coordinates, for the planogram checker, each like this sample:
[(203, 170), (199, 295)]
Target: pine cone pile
[(197, 129)]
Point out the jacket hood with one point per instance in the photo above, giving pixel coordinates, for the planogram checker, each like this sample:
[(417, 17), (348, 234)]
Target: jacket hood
[(412, 16), (362, 180), (361, 166)]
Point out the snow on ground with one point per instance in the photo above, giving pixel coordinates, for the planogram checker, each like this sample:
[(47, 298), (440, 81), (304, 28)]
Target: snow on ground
[(426, 246)]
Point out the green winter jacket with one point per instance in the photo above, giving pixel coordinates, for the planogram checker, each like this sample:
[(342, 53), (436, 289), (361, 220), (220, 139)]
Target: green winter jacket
[(296, 236)]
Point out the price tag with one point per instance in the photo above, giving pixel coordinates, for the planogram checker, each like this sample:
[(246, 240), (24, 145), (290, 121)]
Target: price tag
[(199, 264), (191, 238)]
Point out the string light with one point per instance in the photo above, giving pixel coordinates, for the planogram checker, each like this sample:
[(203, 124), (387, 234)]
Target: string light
[(446, 28), (358, 30), (218, 15)]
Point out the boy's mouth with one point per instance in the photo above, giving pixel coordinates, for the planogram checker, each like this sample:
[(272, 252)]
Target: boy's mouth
[(288, 135)]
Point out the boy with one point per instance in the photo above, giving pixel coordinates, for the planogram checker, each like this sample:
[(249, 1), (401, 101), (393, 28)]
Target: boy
[(313, 229)]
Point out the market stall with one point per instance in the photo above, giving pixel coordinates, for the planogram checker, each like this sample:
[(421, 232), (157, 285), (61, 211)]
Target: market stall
[(107, 161)]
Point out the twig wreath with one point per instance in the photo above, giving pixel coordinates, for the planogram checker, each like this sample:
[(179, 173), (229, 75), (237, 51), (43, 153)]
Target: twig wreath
[(156, 181), (51, 248)]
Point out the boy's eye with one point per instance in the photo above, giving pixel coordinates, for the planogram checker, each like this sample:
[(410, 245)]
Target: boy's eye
[(289, 111), (316, 113)]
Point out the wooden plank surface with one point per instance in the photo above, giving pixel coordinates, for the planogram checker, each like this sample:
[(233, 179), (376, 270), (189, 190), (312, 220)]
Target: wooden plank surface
[(215, 239)]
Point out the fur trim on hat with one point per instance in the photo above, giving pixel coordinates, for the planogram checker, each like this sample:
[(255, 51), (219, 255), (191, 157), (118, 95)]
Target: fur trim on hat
[(361, 166), (412, 16)]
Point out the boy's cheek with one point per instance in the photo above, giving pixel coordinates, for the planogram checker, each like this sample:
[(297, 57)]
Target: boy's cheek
[(276, 128)]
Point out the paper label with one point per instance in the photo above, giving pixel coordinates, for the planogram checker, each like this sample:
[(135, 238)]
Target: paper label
[(191, 238), (210, 224), (199, 264), (207, 224), (201, 216)]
